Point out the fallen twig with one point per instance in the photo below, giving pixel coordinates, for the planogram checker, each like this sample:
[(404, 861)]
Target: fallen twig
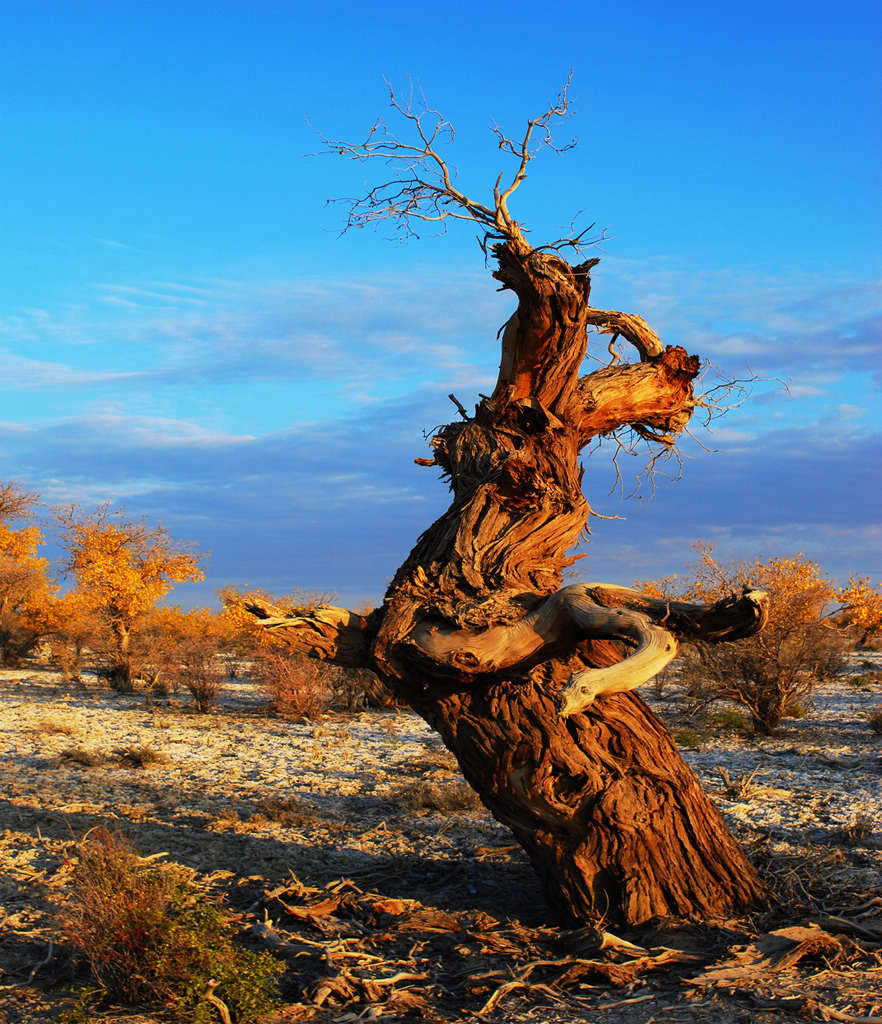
[(217, 1003)]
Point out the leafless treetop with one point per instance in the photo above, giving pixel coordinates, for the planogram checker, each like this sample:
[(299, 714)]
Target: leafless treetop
[(422, 186)]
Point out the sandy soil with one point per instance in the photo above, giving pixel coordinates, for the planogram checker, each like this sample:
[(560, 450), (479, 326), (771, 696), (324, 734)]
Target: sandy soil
[(368, 809)]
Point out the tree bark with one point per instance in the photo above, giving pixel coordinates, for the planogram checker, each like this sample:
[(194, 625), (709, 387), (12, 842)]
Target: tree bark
[(478, 635), (123, 676)]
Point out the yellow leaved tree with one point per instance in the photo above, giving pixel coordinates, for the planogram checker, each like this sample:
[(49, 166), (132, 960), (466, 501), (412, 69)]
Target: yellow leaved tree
[(122, 568), (25, 588)]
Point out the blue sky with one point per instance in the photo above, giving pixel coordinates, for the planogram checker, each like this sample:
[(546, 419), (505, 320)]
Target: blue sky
[(184, 331)]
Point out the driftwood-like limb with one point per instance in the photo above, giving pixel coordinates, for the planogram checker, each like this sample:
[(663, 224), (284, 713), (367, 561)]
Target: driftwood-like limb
[(631, 327), (656, 647), (326, 632), (595, 610)]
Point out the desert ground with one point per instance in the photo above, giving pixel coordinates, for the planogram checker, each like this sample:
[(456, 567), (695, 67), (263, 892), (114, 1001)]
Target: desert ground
[(351, 848)]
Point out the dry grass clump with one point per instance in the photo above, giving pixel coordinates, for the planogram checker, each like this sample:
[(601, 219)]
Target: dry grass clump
[(288, 811), (742, 787), (52, 725), (149, 937), (298, 687), (435, 761), (81, 755), (856, 831), (453, 798), (874, 720), (141, 756)]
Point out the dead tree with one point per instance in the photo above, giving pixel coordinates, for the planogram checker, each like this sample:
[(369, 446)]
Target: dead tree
[(530, 683)]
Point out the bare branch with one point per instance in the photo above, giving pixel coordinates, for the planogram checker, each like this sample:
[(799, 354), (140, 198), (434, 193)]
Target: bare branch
[(15, 503), (422, 185)]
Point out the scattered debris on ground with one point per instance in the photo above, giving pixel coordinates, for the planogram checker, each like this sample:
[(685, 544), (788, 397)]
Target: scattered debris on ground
[(349, 848)]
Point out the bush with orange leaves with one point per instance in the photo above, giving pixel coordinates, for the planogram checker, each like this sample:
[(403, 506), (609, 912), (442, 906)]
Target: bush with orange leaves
[(183, 648), (72, 626), (862, 608), (773, 672)]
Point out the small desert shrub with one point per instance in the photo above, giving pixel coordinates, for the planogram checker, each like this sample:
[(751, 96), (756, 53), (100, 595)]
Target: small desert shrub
[(82, 755), (203, 678), (70, 662), (298, 687), (427, 796), (149, 936), (874, 720)]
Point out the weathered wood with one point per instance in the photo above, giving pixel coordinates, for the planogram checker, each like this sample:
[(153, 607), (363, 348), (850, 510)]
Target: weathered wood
[(525, 679)]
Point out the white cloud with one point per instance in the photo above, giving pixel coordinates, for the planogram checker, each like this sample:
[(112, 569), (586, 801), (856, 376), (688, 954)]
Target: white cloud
[(20, 372)]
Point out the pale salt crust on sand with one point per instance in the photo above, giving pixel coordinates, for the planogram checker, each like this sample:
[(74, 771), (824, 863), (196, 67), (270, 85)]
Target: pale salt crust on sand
[(210, 804), (812, 780)]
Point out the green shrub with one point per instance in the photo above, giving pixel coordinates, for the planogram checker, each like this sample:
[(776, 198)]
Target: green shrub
[(865, 680), (149, 936), (729, 718), (689, 738)]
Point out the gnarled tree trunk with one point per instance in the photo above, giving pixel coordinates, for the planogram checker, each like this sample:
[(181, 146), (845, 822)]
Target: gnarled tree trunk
[(526, 680)]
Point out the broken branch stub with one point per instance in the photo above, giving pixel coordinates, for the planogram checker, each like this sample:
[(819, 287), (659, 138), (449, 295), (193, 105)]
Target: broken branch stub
[(326, 632)]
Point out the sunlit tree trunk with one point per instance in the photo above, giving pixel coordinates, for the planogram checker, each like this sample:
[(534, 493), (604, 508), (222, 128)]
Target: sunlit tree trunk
[(481, 638)]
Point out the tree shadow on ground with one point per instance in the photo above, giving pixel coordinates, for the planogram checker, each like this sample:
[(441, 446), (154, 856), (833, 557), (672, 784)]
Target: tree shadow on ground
[(504, 886)]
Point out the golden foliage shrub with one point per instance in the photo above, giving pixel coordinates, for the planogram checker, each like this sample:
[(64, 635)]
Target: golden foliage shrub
[(772, 673)]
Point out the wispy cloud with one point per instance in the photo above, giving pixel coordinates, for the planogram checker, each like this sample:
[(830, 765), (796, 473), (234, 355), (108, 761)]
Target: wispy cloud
[(792, 474), (20, 372)]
